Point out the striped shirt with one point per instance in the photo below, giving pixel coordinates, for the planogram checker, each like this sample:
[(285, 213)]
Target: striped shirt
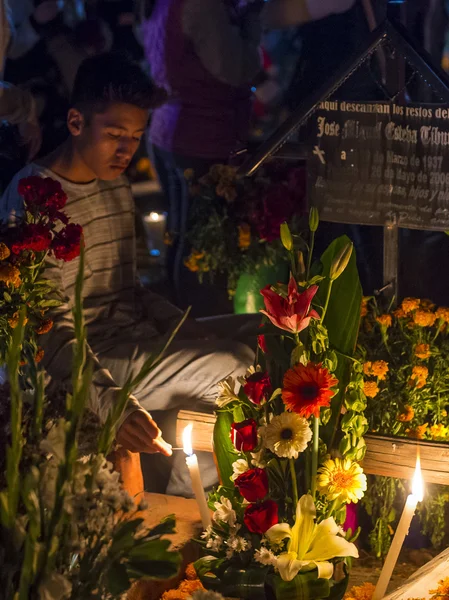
[(114, 302)]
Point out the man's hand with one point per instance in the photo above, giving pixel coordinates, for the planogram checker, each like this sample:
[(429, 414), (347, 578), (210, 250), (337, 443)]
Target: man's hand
[(139, 433)]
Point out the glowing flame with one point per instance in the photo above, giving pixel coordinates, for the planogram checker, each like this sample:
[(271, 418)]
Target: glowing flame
[(418, 482), (187, 439)]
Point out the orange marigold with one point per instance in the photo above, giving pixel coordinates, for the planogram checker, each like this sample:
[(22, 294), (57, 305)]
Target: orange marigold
[(39, 355), (4, 251), (442, 314), (424, 318), (307, 388), (368, 368), (380, 369), (244, 236), (384, 320), (14, 320), (442, 591), (409, 304), (371, 389), (427, 304), (399, 313), (418, 432), (422, 351), (10, 275), (360, 592), (44, 327), (407, 415)]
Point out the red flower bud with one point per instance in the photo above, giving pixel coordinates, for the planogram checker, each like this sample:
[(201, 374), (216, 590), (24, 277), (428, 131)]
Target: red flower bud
[(253, 484), (260, 517), (262, 343), (244, 435), (257, 387)]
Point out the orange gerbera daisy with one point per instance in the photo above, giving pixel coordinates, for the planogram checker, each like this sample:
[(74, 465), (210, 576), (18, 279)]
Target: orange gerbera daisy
[(307, 388)]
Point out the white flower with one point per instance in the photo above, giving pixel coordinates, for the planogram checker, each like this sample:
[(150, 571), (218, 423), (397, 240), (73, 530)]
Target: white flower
[(257, 459), (238, 544), (309, 545), (55, 587), (207, 532), (226, 392), (265, 557), (286, 435), (54, 443), (214, 543), (239, 467), (224, 512)]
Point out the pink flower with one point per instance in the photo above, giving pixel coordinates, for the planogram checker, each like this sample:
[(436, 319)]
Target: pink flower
[(292, 313)]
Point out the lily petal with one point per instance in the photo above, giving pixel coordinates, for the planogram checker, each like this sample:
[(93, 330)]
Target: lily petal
[(288, 565), (327, 526), (304, 527), (328, 546), (325, 570), (278, 533)]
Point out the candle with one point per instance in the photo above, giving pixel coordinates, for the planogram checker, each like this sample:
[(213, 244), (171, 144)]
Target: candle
[(401, 532), (192, 465)]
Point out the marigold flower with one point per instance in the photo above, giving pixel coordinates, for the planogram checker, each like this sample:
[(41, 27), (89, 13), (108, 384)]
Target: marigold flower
[(407, 415), (363, 310), (427, 304), (439, 431), (384, 321), (39, 355), (244, 236), (418, 432), (410, 304), (307, 388), (342, 479), (370, 389), (380, 369), (44, 327), (360, 592), (419, 376), (4, 251), (14, 320), (442, 591), (192, 263), (424, 318), (422, 351), (399, 313), (367, 368), (442, 314), (10, 275)]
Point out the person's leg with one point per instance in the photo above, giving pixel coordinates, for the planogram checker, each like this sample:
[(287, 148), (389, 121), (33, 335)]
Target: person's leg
[(186, 378)]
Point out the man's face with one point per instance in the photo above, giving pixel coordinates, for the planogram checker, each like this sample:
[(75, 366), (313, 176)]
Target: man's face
[(107, 143)]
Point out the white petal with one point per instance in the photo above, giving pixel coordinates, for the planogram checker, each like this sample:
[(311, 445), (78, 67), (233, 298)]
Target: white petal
[(328, 526), (288, 566), (325, 570), (330, 546), (278, 532), (303, 529)]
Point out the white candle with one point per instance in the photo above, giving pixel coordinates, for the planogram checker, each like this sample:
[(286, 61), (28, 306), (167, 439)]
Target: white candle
[(197, 486), (401, 533)]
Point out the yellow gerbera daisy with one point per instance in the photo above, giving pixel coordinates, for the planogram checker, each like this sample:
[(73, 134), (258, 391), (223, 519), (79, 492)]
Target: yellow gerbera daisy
[(341, 479), (439, 431)]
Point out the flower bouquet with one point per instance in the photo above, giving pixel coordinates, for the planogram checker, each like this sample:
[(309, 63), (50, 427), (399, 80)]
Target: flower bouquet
[(289, 441), (234, 223), (41, 231), (405, 353)]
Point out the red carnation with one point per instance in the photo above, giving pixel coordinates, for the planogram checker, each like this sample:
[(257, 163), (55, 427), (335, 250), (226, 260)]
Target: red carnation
[(260, 517), (35, 237), (244, 435), (67, 243), (253, 484), (257, 387), (45, 193)]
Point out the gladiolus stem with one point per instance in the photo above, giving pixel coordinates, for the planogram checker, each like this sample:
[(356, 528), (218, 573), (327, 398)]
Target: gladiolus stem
[(315, 451), (309, 258), (294, 483), (326, 304)]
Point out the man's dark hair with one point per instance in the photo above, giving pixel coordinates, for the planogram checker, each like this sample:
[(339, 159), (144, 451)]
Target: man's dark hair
[(111, 78)]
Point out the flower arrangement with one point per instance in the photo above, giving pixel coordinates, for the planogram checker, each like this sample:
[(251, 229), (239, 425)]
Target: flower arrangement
[(234, 223), (43, 230), (289, 441), (405, 353)]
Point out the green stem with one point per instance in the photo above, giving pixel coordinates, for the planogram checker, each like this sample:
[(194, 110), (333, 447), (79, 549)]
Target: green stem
[(332, 508), (309, 258), (315, 451), (294, 483), (326, 304)]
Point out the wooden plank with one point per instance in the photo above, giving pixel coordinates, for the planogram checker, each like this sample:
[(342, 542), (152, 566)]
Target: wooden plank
[(388, 456)]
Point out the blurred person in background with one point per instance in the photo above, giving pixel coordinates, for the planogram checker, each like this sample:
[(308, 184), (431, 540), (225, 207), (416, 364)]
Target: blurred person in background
[(205, 54)]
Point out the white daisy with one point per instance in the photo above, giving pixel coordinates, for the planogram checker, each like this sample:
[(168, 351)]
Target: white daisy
[(239, 467), (257, 459), (214, 543), (226, 392), (224, 512), (265, 557), (238, 544), (286, 435)]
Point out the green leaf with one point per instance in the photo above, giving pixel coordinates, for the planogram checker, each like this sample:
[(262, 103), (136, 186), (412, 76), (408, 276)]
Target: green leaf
[(342, 321), (118, 580), (165, 527), (305, 586), (7, 297), (223, 447)]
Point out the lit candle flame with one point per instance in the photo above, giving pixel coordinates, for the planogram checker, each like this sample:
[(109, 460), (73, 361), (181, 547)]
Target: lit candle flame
[(187, 439), (417, 482)]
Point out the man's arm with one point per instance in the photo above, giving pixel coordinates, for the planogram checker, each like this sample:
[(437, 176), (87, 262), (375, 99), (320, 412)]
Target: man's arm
[(230, 53)]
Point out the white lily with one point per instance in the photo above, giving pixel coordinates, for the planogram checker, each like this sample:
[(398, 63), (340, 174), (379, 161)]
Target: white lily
[(310, 545)]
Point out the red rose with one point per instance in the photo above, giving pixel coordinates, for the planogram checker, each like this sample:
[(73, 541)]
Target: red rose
[(67, 243), (262, 343), (260, 517), (244, 435), (35, 237), (257, 387), (253, 484)]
